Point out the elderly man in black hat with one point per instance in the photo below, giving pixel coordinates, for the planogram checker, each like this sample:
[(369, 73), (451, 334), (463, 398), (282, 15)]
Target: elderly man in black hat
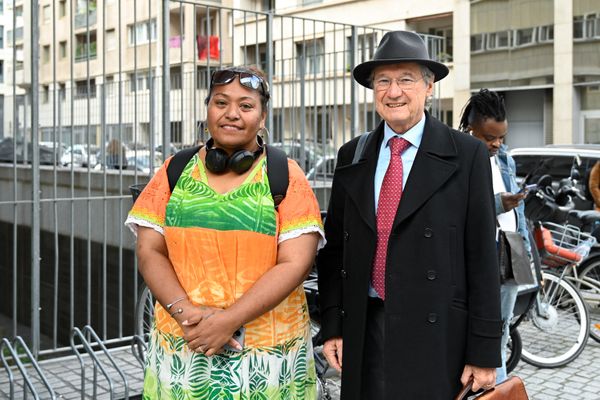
[(409, 283)]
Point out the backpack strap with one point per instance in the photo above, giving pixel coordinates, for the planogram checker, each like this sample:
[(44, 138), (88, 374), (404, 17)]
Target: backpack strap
[(178, 163), (360, 146), (278, 173)]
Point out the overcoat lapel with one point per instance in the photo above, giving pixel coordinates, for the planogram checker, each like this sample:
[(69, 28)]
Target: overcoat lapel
[(433, 166), (358, 179)]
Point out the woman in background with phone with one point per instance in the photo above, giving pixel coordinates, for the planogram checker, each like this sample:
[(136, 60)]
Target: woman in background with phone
[(225, 265), (484, 117)]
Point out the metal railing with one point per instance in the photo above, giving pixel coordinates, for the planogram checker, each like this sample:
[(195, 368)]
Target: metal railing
[(67, 260)]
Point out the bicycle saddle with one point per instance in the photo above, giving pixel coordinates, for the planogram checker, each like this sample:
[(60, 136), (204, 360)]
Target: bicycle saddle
[(586, 216)]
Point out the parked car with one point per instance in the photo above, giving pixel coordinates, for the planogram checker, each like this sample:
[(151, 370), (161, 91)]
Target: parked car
[(8, 147), (140, 161), (323, 169), (312, 152), (557, 161), (78, 155)]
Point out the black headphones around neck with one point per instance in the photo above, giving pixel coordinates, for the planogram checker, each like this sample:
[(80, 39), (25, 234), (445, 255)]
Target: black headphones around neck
[(218, 161)]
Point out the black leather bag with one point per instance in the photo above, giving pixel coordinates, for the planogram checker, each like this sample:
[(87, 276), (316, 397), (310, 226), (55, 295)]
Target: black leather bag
[(513, 259)]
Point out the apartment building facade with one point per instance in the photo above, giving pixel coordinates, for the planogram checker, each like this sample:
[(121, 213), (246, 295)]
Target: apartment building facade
[(100, 67)]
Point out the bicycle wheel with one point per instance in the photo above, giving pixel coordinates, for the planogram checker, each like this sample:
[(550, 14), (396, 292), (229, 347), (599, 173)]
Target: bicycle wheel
[(144, 313), (556, 330), (515, 347), (589, 286)]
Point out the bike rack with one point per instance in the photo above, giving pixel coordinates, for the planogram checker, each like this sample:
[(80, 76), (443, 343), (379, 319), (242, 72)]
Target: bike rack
[(12, 349), (87, 345), (139, 348)]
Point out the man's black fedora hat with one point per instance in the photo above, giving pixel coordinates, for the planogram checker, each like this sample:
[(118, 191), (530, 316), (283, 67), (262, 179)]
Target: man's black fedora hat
[(398, 47)]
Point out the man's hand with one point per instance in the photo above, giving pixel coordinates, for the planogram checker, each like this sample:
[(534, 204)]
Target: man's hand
[(332, 349), (511, 200), (483, 378)]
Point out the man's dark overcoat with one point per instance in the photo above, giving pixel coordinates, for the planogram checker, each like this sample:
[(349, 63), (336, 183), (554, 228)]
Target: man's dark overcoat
[(442, 306)]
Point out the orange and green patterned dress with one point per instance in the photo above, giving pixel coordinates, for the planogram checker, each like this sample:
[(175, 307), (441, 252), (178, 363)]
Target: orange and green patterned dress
[(219, 245)]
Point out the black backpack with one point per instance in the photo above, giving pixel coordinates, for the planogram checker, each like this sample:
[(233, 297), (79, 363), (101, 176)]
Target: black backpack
[(277, 172)]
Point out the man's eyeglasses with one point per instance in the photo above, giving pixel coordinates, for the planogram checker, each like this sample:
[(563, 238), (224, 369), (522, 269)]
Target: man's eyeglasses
[(247, 79), (405, 83)]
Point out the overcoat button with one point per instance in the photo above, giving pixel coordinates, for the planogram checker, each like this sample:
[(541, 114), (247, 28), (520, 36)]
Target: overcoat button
[(432, 317), (346, 236), (343, 273), (342, 313), (428, 233), (431, 275)]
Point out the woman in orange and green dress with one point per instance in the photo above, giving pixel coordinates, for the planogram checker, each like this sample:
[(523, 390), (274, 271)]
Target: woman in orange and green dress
[(217, 255)]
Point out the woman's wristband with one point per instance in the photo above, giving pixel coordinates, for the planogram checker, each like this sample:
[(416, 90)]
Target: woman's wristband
[(175, 302), (178, 311)]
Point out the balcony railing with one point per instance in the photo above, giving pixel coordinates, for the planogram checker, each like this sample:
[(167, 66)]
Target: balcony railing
[(81, 20), (82, 54)]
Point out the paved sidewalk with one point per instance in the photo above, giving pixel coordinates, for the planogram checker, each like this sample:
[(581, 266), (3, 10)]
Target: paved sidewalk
[(64, 376), (579, 380)]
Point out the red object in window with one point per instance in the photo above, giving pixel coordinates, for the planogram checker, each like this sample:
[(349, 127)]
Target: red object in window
[(553, 255), (203, 47)]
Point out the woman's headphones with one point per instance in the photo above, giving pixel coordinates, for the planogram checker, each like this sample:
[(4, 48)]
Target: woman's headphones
[(218, 161)]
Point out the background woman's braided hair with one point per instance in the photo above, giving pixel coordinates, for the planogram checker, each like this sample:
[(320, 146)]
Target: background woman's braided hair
[(483, 105)]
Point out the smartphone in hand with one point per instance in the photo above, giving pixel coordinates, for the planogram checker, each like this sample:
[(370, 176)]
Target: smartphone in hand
[(527, 188), (238, 336)]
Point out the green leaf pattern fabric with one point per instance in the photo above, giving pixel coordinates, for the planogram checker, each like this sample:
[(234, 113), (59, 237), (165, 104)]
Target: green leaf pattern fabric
[(283, 372)]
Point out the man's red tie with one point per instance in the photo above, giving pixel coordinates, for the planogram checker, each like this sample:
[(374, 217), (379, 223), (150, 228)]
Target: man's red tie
[(389, 198)]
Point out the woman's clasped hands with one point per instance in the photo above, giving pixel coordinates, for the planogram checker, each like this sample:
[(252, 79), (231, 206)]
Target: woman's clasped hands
[(208, 329)]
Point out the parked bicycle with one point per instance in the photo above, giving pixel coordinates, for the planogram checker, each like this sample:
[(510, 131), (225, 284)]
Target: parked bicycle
[(554, 202), (555, 329)]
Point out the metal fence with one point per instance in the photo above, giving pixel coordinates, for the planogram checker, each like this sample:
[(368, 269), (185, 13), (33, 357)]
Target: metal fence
[(86, 76)]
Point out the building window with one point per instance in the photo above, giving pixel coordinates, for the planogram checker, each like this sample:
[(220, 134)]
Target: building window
[(366, 45), (202, 78), (477, 42), (257, 55), (109, 85), (83, 49), (310, 57), (175, 77), (1, 71), (445, 51), (18, 33), (176, 132), (62, 8), (45, 94), (83, 90), (498, 40), (82, 6), (142, 32), (46, 54), (586, 27), (62, 91), (111, 39), (47, 14), (62, 49), (524, 37), (142, 82), (546, 33), (266, 5), (1, 37), (19, 11)]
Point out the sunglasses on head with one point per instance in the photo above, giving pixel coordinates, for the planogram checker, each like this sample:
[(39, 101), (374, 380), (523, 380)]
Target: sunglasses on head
[(247, 79)]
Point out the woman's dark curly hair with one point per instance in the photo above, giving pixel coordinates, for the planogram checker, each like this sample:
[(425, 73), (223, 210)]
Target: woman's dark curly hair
[(485, 104)]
